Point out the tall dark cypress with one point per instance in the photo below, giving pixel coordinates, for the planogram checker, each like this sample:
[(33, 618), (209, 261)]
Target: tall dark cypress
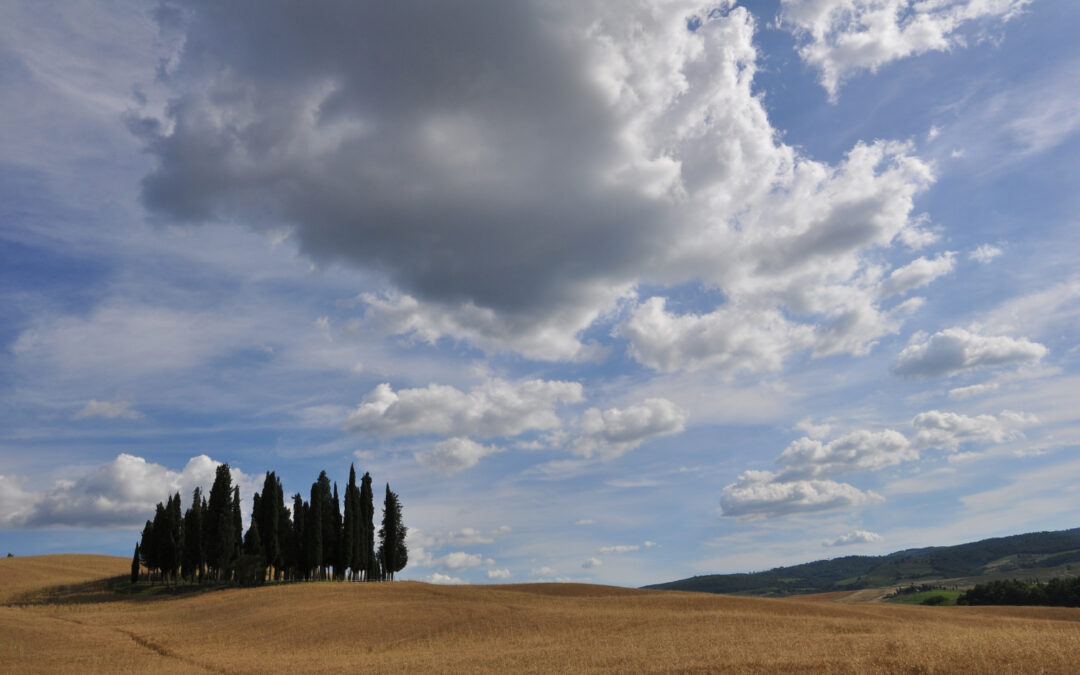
[(135, 566), (369, 561), (392, 551), (300, 556), (313, 531), (193, 558), (175, 537), (238, 523), (221, 534), (326, 520), (351, 526), (338, 548), (146, 549), (267, 513), (285, 536)]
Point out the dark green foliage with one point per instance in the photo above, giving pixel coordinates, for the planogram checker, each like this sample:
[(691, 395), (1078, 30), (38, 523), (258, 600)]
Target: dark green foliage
[(300, 538), (313, 530), (338, 547), (316, 539), (392, 551), (238, 523), (368, 559), (193, 559), (349, 531), (935, 600), (1057, 592), (267, 511), (853, 572), (134, 565), (219, 525)]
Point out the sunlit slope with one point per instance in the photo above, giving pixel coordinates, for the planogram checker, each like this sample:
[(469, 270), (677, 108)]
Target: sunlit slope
[(409, 626), (19, 576)]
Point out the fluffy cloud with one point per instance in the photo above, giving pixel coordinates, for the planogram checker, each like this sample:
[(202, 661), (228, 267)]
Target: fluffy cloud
[(728, 339), (458, 560), (843, 37), (592, 563), (639, 152), (443, 579), (759, 494), (120, 493), (613, 432), (859, 450), (917, 274), (955, 350), (495, 408), (948, 430), (107, 410), (856, 537), (455, 454), (498, 574), (545, 571), (984, 253)]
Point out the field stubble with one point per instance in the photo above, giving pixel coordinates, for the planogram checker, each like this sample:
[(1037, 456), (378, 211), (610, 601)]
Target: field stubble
[(409, 626)]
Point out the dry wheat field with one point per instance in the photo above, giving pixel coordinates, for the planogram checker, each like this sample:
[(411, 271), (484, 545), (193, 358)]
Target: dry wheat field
[(57, 615)]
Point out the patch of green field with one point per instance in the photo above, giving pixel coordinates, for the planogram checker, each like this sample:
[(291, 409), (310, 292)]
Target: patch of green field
[(921, 597)]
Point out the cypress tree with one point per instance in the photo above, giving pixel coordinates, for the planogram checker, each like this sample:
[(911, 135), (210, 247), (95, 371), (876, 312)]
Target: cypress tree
[(268, 514), (313, 530), (369, 560), (392, 551), (299, 533), (238, 523), (351, 526), (160, 543), (175, 537), (135, 566), (146, 548), (284, 560), (219, 524), (338, 547), (193, 558)]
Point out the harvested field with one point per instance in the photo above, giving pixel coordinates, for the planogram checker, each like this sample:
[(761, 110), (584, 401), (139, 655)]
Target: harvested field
[(410, 626)]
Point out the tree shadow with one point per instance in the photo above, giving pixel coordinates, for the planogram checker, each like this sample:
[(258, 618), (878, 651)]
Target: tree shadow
[(112, 589)]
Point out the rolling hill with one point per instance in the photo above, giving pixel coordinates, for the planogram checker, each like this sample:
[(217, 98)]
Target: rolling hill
[(1036, 554), (81, 626)]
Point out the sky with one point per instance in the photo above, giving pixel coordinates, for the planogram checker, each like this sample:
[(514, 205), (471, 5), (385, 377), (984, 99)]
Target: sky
[(617, 292)]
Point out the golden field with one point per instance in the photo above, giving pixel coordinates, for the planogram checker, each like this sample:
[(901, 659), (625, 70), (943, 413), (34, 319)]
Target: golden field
[(56, 615)]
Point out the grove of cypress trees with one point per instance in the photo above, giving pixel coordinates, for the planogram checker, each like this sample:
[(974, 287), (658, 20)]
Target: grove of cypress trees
[(267, 512), (338, 547)]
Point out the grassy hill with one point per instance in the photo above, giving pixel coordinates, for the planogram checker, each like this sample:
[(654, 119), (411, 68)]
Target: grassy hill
[(1037, 554), (550, 628)]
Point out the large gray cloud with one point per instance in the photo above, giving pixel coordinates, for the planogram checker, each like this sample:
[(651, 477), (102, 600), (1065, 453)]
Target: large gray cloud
[(514, 169)]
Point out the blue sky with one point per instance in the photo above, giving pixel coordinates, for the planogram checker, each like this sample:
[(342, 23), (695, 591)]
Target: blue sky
[(613, 292)]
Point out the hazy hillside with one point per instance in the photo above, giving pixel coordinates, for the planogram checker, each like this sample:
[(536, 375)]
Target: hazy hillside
[(531, 628), (1022, 555)]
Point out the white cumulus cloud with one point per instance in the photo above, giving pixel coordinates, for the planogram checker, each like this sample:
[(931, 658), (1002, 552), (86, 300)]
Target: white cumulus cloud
[(613, 432), (855, 537), (494, 408), (917, 274), (948, 430), (860, 450), (955, 350), (844, 37), (760, 494), (120, 493), (498, 574), (592, 563), (984, 253), (455, 454)]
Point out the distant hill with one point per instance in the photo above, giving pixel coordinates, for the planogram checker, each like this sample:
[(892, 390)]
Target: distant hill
[(1037, 554)]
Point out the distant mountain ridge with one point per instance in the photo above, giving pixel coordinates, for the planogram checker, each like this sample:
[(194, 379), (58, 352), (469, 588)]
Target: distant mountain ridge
[(1019, 556)]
